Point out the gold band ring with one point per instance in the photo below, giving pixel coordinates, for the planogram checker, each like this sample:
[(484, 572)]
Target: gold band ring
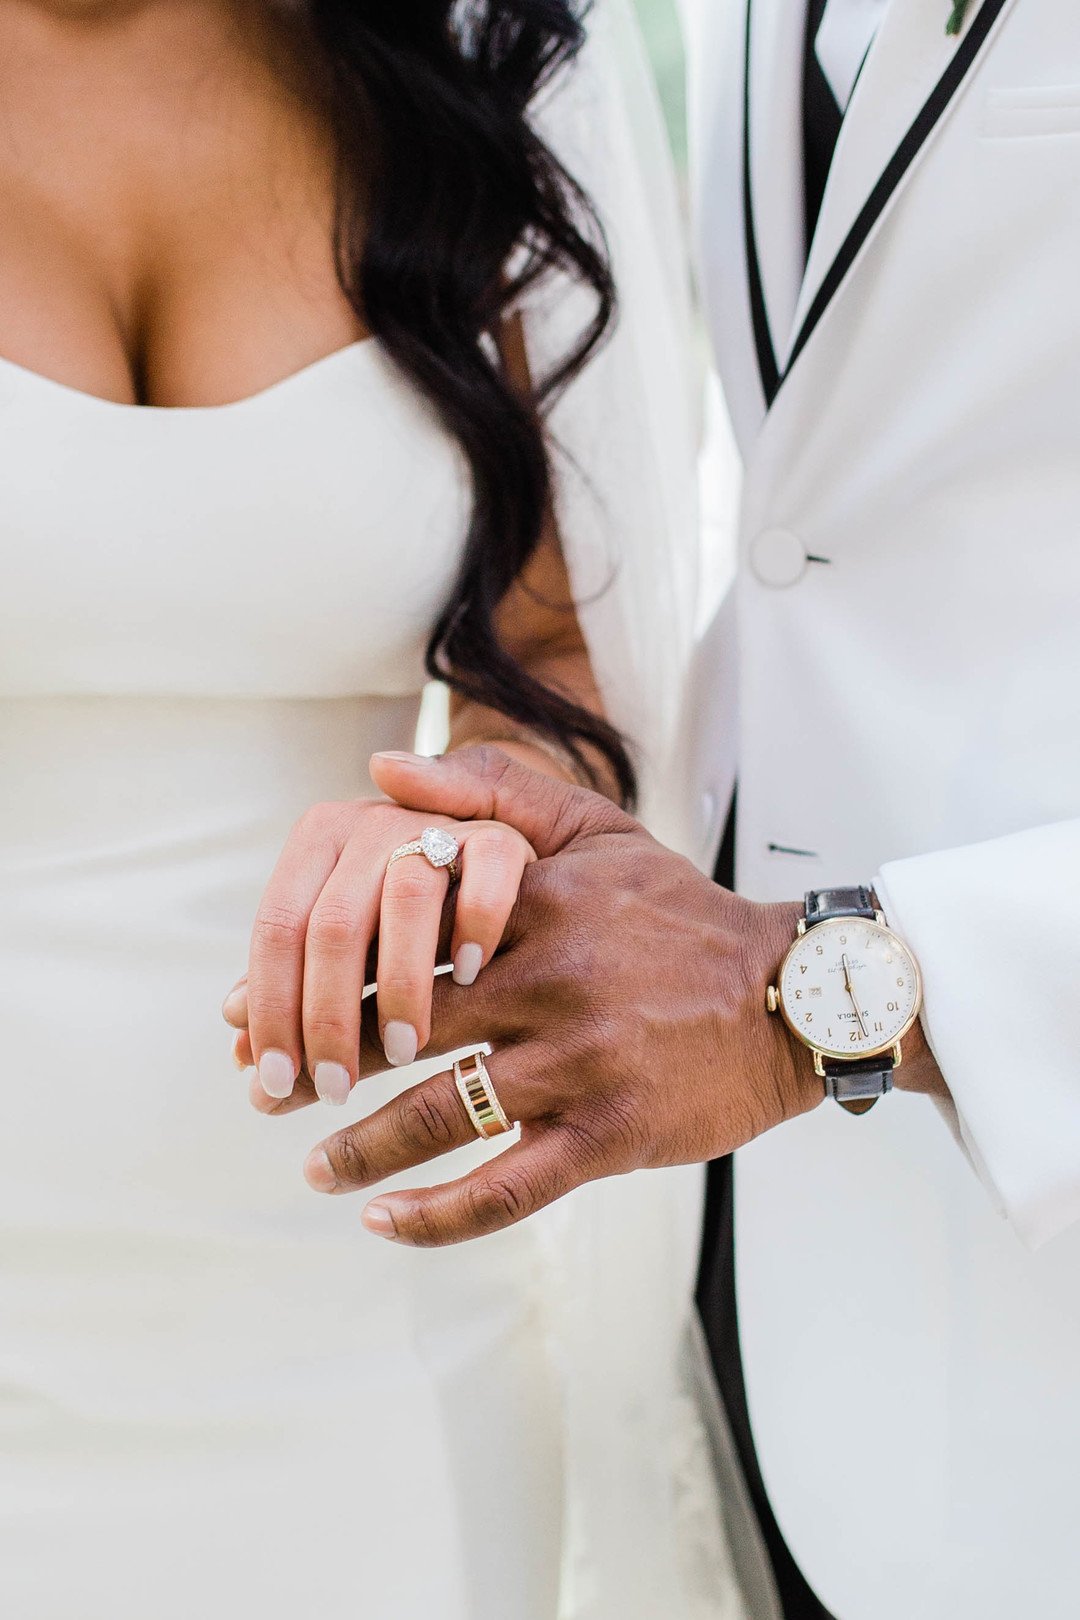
[(478, 1094), (438, 847)]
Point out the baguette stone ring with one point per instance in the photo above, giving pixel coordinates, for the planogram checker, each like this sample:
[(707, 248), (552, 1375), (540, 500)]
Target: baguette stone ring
[(438, 847), (486, 1113)]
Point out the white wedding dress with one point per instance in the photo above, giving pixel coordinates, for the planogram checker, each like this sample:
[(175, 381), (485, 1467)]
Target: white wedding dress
[(218, 1395)]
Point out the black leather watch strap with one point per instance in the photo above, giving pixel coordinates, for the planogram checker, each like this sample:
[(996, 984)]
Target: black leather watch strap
[(866, 1078), (855, 1085), (822, 905)]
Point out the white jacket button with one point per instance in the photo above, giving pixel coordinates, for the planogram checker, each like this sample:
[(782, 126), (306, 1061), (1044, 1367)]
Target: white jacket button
[(777, 557)]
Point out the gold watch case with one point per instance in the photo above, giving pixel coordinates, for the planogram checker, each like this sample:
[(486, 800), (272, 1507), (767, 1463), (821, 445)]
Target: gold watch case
[(774, 1001)]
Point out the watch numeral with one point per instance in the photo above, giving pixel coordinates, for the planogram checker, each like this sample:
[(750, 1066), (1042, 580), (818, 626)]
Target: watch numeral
[(854, 1034), (820, 950), (892, 1006), (798, 995), (802, 967), (879, 1029)]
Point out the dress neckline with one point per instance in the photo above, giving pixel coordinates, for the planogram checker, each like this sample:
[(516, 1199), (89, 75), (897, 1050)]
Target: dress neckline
[(284, 384)]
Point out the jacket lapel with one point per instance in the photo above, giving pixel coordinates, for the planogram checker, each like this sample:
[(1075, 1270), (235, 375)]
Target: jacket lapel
[(912, 77), (773, 169)]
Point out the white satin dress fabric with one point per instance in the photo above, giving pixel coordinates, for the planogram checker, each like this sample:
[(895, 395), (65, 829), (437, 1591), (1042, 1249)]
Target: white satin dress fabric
[(218, 1395)]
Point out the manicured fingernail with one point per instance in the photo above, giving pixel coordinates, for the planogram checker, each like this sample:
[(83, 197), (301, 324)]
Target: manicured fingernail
[(467, 963), (407, 759), (241, 1062), (319, 1172), (332, 1083), (378, 1218), (399, 1043), (277, 1074), (234, 1007)]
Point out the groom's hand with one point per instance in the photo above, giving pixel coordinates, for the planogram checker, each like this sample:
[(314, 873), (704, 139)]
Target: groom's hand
[(625, 1011)]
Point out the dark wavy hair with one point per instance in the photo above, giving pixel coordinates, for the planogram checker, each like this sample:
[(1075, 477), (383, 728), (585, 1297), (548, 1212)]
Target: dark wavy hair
[(449, 205)]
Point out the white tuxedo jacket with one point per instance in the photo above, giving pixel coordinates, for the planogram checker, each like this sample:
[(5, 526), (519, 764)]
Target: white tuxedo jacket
[(908, 705)]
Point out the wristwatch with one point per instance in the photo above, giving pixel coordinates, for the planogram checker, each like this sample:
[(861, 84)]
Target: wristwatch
[(849, 989)]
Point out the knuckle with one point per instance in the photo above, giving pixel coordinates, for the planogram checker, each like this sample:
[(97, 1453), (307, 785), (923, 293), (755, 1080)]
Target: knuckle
[(501, 1200), (424, 1230), (350, 1163), (334, 927), (315, 818), (328, 822), (482, 914), (279, 926), (408, 882), (428, 1121), (607, 1133), (493, 841), (329, 1023), (489, 761), (401, 983), (275, 1008)]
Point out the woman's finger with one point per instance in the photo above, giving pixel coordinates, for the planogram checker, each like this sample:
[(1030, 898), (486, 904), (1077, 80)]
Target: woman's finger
[(413, 895), (234, 1009), (302, 1094), (492, 862), (340, 931), (276, 965), (421, 1124)]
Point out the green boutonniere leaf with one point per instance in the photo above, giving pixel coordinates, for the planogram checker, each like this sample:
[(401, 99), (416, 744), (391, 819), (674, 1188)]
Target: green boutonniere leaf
[(959, 12)]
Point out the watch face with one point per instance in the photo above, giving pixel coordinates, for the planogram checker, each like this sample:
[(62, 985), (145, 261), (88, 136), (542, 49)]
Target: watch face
[(849, 987)]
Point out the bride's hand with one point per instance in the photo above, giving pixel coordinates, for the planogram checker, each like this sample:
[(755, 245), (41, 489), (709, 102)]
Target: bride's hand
[(332, 899)]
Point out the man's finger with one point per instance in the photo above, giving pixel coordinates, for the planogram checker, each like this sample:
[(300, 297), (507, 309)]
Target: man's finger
[(540, 1169), (484, 784), (421, 1124)]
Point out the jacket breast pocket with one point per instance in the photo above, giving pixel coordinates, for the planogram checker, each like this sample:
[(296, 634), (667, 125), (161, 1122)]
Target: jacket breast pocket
[(1031, 111)]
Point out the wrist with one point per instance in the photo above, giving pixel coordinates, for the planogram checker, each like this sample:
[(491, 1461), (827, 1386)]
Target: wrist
[(919, 1070), (798, 1088)]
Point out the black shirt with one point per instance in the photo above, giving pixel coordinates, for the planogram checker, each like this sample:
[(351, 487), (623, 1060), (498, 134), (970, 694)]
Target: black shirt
[(821, 122)]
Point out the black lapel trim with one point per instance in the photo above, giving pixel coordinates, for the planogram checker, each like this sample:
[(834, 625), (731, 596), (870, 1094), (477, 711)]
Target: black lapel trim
[(898, 166), (768, 369)]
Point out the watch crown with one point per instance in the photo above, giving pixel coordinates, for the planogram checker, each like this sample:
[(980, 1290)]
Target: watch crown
[(772, 1000)]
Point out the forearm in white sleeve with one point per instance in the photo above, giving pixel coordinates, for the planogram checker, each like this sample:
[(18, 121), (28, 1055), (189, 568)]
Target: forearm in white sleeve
[(996, 929)]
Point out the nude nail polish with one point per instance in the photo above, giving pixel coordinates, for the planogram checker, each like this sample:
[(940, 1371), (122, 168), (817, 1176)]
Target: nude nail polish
[(234, 1007), (406, 759), (467, 963), (332, 1083), (277, 1074), (399, 1043)]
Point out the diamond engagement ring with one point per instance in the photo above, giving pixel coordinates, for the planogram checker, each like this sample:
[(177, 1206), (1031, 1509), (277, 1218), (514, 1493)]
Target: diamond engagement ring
[(438, 847)]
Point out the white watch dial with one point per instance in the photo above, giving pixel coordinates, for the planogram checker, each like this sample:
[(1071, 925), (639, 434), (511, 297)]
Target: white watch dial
[(849, 987)]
